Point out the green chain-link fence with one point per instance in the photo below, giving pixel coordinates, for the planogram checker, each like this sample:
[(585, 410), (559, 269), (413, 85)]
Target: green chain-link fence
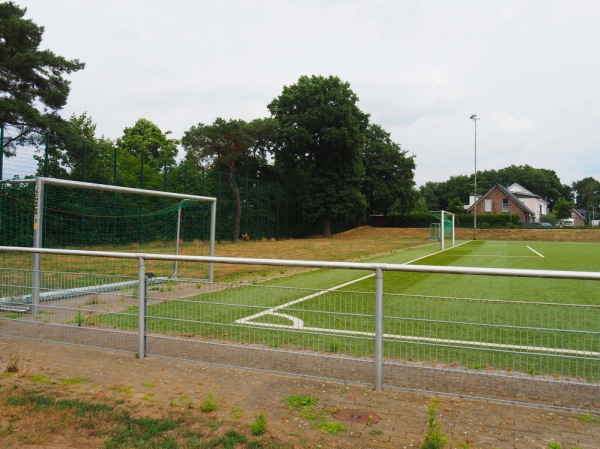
[(269, 209)]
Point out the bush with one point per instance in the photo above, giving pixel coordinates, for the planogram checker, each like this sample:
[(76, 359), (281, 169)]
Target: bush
[(425, 219)]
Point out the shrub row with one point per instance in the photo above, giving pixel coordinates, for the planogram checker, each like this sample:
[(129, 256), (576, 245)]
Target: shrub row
[(425, 219)]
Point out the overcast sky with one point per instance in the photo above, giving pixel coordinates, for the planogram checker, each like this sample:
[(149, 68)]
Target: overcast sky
[(529, 69)]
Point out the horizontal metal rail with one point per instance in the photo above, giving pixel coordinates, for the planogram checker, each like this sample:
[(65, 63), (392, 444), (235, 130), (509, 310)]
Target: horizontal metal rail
[(513, 272), (395, 355)]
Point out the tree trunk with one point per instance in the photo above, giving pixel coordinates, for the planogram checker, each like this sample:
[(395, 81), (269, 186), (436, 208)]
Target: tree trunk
[(326, 227), (238, 208)]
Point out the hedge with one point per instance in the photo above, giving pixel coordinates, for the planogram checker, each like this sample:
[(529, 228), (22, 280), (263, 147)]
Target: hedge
[(425, 219)]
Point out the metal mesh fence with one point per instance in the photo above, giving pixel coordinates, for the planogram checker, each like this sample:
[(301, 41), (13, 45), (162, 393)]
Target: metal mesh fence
[(509, 350), (269, 207), (519, 351)]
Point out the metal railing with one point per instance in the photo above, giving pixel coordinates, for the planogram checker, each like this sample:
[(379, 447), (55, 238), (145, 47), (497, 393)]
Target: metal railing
[(518, 351)]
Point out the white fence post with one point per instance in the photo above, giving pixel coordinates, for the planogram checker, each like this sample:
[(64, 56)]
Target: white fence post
[(378, 329), (142, 308)]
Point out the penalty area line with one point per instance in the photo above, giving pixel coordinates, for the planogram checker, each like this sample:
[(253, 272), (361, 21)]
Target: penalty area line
[(539, 254), (438, 341), (298, 323)]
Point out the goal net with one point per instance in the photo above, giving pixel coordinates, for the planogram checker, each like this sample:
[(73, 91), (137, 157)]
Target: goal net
[(76, 215), (442, 229)]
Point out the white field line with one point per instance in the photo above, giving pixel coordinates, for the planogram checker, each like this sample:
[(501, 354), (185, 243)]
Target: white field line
[(539, 254), (437, 340), (246, 320), (496, 256), (297, 323), (300, 323)]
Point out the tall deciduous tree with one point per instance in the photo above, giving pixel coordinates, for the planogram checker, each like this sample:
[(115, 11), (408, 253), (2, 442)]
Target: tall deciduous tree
[(540, 181), (587, 191), (145, 151), (438, 195), (32, 84), (79, 155), (389, 174), (562, 208), (322, 133), (229, 144)]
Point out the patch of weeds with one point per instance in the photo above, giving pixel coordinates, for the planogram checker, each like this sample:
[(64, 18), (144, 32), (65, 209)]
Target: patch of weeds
[(307, 407), (331, 427), (123, 389), (209, 404), (192, 434), (149, 397), (228, 441), (193, 443), (40, 402), (180, 401), (41, 378), (259, 426), (435, 438), (94, 300), (9, 429), (46, 312), (310, 413), (79, 318), (300, 401), (237, 413), (334, 346), (345, 390), (554, 445), (147, 384), (213, 424), (12, 366), (334, 410), (193, 440), (376, 432), (588, 417), (140, 432), (73, 380)]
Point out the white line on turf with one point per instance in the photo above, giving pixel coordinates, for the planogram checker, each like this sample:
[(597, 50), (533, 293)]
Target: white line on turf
[(482, 344), (299, 323), (496, 256), (539, 254)]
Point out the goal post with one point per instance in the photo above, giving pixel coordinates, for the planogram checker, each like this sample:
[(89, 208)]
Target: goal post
[(443, 228), (79, 214)]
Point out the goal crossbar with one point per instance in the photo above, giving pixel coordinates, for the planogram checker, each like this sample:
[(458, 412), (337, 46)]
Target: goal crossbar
[(38, 218), (446, 226)]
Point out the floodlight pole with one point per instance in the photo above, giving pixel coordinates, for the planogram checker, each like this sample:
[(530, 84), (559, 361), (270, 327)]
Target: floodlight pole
[(475, 118)]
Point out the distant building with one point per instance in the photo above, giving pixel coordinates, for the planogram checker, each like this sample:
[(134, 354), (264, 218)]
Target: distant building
[(578, 216), (515, 199)]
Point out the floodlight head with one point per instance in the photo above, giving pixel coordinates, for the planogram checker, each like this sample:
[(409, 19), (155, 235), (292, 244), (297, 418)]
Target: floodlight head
[(474, 117)]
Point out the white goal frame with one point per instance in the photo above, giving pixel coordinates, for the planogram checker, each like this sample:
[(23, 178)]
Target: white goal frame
[(38, 218), (442, 214)]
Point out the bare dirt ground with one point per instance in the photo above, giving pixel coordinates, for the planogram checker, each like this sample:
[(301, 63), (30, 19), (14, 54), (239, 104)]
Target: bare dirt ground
[(173, 389)]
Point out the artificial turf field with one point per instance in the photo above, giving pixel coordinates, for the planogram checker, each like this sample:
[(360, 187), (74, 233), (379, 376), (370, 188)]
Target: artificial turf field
[(533, 325)]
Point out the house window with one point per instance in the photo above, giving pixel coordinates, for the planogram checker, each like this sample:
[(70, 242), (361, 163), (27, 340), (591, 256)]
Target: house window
[(505, 205), (488, 205)]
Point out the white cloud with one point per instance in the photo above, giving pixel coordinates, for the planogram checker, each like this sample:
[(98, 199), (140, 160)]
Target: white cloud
[(528, 69), (503, 122)]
